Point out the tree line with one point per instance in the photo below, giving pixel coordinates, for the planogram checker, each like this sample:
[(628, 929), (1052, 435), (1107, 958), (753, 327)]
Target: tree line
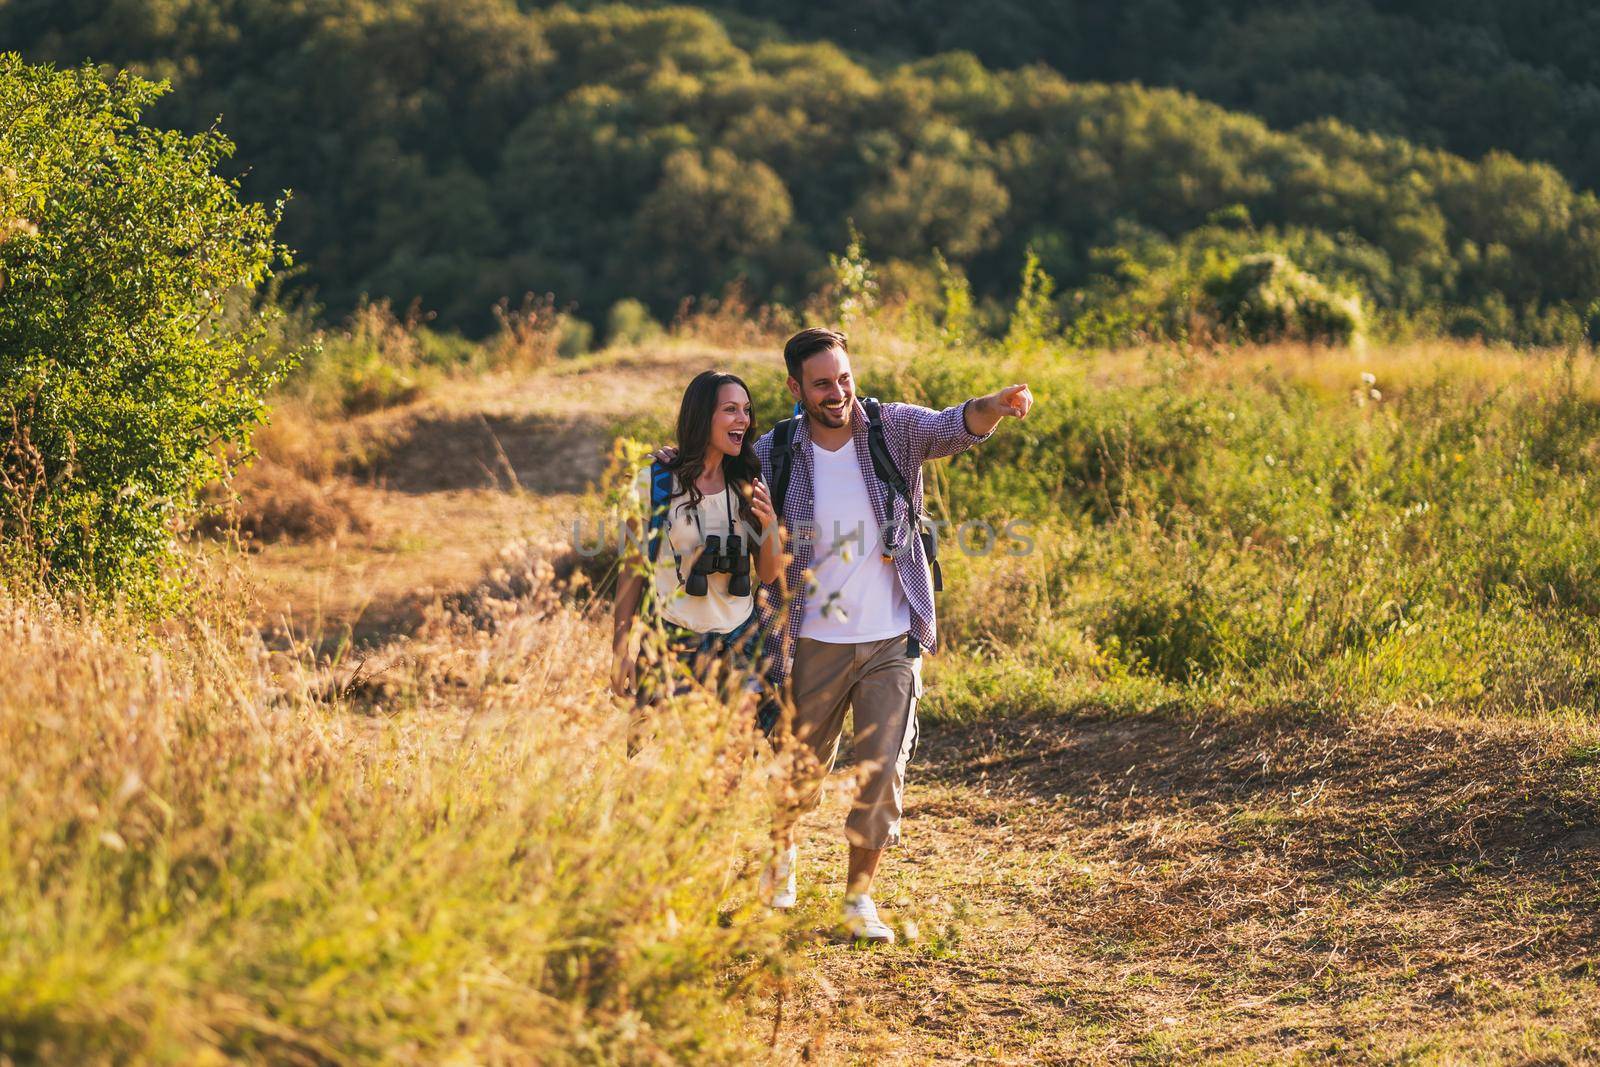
[(1468, 77), (459, 151)]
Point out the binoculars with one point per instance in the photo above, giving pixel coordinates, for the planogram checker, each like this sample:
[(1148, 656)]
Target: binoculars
[(732, 559)]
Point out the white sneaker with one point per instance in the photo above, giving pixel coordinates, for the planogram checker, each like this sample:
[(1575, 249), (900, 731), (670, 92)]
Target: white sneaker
[(862, 923), (777, 879)]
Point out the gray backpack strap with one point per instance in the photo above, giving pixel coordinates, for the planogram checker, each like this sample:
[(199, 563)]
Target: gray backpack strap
[(883, 465)]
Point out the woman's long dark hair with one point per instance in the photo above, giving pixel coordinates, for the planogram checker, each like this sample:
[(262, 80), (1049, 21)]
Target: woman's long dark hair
[(694, 439)]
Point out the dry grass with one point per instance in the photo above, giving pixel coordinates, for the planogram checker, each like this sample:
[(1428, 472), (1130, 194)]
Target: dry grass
[(300, 485), (1332, 371), (222, 842), (733, 321), (440, 854), (528, 336), (272, 502)]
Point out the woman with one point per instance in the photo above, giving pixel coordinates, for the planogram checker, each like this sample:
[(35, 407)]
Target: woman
[(701, 593)]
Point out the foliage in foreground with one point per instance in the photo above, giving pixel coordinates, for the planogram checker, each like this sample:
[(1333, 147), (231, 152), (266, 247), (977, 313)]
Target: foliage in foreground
[(207, 851), (119, 376)]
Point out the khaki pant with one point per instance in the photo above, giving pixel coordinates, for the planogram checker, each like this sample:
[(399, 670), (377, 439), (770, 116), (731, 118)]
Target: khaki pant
[(881, 684)]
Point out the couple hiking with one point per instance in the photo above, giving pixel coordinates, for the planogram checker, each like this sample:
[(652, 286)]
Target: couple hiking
[(843, 624)]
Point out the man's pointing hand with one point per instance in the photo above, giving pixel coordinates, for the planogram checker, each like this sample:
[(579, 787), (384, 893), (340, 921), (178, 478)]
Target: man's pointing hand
[(983, 413), (1015, 400)]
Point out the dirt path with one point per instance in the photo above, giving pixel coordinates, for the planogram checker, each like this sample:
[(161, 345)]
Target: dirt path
[(477, 467), (1102, 890)]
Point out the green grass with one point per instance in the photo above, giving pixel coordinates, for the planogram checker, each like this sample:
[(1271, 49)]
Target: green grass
[(1275, 524)]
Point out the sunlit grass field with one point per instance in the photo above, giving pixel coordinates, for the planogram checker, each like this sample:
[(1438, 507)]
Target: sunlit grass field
[(1338, 527), (214, 852), (221, 842)]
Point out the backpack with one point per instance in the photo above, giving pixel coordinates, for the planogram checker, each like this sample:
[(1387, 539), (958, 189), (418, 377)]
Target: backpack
[(782, 460), (660, 498)]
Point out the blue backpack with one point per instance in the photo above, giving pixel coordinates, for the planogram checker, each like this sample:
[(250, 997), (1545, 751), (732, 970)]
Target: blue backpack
[(660, 498)]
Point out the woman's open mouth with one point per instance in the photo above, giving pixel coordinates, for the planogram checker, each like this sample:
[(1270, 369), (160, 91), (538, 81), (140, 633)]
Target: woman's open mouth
[(737, 437)]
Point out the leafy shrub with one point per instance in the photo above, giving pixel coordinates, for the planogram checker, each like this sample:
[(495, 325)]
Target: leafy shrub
[(957, 318), (852, 290), (574, 337), (373, 362), (629, 323), (447, 350), (1267, 298), (1033, 320), (1228, 282), (120, 376)]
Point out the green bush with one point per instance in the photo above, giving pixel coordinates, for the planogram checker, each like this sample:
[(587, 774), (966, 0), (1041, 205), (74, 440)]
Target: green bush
[(375, 361), (1267, 298), (121, 375), (446, 350), (1229, 281), (629, 323), (574, 337)]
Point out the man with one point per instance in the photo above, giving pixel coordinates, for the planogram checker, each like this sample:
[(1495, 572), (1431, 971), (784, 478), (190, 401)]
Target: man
[(860, 607)]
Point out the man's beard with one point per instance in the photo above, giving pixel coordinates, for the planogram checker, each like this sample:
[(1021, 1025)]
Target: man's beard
[(828, 418)]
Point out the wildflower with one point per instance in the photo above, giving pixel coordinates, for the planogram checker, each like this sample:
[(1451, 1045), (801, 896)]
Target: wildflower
[(1368, 378)]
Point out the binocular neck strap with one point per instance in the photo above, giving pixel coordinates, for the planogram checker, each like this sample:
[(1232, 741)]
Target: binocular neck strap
[(694, 513)]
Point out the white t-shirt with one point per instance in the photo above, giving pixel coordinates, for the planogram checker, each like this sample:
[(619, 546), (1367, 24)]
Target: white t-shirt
[(718, 611), (857, 596)]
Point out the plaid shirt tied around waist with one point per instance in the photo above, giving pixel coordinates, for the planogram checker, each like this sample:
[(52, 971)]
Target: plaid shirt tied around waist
[(913, 434)]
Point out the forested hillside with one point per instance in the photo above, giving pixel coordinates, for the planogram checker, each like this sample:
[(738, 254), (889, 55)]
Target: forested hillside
[(1468, 77), (461, 152)]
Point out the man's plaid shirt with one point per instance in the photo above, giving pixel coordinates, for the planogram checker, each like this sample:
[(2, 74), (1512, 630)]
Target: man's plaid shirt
[(913, 434)]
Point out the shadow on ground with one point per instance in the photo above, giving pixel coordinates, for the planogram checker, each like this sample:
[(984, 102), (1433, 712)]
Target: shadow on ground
[(1157, 888), (1410, 797), (437, 452)]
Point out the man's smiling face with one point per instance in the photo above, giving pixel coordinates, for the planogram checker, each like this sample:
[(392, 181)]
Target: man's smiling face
[(827, 389)]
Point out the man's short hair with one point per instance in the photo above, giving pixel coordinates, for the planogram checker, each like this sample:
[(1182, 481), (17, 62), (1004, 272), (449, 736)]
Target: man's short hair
[(808, 343)]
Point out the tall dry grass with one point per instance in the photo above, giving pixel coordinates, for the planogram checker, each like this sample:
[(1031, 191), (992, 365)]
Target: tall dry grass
[(209, 851)]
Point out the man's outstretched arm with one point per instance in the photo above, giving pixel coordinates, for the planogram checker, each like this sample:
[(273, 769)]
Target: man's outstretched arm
[(931, 434), (938, 434)]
